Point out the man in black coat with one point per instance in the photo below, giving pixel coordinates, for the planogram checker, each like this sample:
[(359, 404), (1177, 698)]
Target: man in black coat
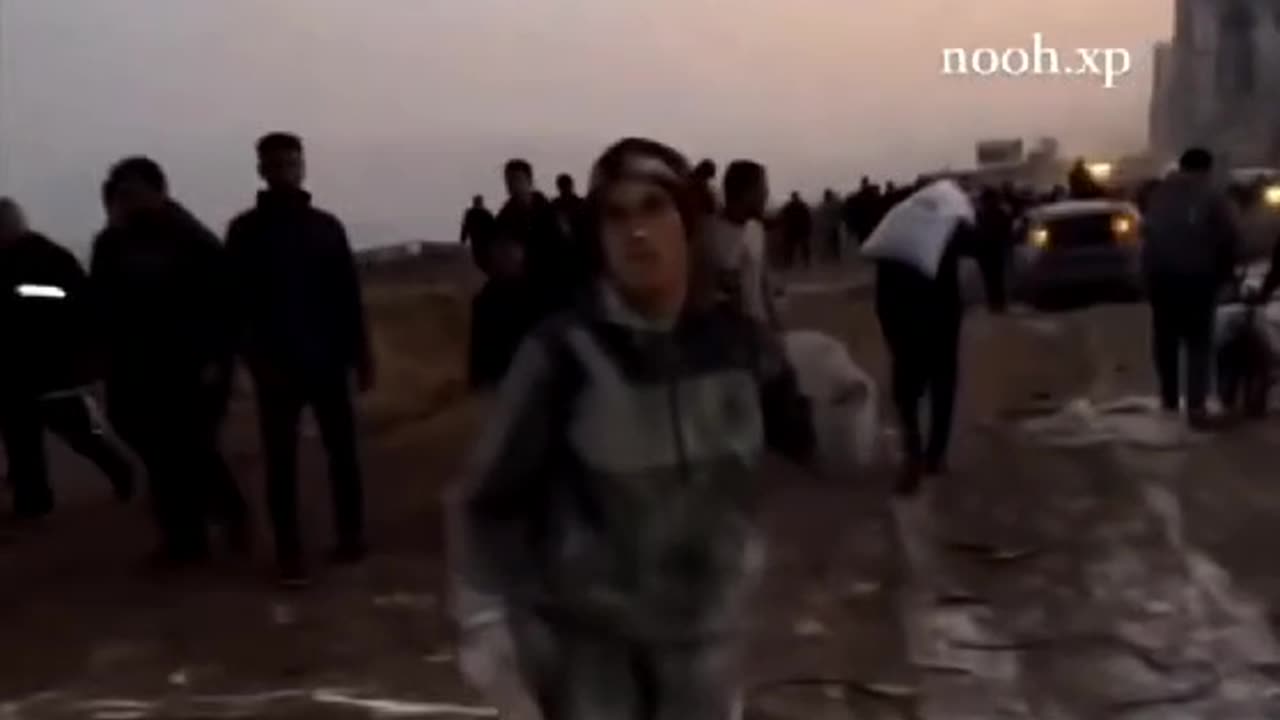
[(555, 272), (46, 365), (478, 230), (301, 323), (160, 290)]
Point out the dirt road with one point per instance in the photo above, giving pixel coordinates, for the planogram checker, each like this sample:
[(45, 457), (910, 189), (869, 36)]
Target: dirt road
[(1087, 564)]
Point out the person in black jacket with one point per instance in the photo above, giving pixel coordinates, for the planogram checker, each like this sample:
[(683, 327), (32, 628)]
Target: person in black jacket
[(500, 318), (994, 246), (555, 274), (46, 365), (301, 321), (797, 232), (921, 319), (160, 290), (478, 230)]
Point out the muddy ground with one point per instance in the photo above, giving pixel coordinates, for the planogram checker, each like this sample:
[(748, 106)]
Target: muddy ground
[(1086, 564)]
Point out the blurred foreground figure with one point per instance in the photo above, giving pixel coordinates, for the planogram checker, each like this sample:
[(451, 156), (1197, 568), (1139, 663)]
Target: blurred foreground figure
[(1191, 240), (160, 290), (604, 533), (500, 317), (301, 324), (46, 366), (737, 242)]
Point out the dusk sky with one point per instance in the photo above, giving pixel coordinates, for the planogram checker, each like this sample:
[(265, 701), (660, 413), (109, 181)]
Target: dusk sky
[(410, 106)]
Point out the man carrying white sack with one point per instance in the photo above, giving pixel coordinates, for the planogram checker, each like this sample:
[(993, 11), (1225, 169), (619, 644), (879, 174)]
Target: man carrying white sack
[(918, 302)]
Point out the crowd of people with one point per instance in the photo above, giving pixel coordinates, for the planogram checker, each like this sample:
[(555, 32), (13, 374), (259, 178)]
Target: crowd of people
[(603, 520), (160, 319)]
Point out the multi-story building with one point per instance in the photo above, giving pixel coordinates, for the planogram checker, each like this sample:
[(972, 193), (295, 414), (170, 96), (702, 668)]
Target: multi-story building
[(1217, 81)]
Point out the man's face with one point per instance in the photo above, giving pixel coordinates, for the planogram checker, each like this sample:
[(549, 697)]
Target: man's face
[(519, 185), (134, 196), (283, 169)]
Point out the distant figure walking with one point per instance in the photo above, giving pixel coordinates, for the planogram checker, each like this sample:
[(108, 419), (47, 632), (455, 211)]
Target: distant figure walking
[(301, 324), (529, 219), (161, 293), (994, 246), (797, 232), (46, 366), (1189, 254), (830, 234), (571, 214), (704, 179), (738, 242), (479, 227)]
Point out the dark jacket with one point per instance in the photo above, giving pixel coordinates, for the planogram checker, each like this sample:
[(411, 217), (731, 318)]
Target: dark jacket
[(500, 320), (616, 482), (299, 306), (44, 318), (907, 297), (479, 227), (1190, 232), (160, 292), (797, 221), (554, 269)]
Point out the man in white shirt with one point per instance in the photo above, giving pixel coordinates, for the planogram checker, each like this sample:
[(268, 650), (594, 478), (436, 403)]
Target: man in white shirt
[(738, 242)]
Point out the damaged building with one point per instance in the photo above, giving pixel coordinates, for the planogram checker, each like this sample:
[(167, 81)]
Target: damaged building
[(1216, 82)]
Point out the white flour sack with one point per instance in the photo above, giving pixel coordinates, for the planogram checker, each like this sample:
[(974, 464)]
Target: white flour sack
[(844, 399), (917, 230)]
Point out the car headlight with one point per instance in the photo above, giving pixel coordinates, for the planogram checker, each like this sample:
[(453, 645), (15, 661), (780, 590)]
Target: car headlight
[(1271, 196), (1039, 238), (1123, 227)]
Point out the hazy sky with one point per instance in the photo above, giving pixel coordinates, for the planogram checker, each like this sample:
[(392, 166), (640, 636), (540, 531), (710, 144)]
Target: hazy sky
[(410, 106)]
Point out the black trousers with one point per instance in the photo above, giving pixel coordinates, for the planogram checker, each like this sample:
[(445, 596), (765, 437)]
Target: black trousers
[(173, 426), (994, 263), (280, 406), (924, 352), (23, 422), (1182, 312)]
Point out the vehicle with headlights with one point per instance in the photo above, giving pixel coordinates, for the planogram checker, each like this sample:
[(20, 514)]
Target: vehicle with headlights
[(1256, 193), (1079, 251)]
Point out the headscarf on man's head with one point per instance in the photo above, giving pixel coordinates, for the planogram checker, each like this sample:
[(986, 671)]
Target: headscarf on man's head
[(651, 161)]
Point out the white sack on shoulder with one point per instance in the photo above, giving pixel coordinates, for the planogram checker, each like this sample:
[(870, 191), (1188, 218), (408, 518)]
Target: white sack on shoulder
[(844, 398), (918, 230)]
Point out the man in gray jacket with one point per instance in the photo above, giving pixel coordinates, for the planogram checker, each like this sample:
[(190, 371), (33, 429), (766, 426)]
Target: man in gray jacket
[(1191, 240)]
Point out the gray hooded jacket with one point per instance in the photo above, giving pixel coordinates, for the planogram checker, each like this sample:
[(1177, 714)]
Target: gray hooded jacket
[(616, 480)]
